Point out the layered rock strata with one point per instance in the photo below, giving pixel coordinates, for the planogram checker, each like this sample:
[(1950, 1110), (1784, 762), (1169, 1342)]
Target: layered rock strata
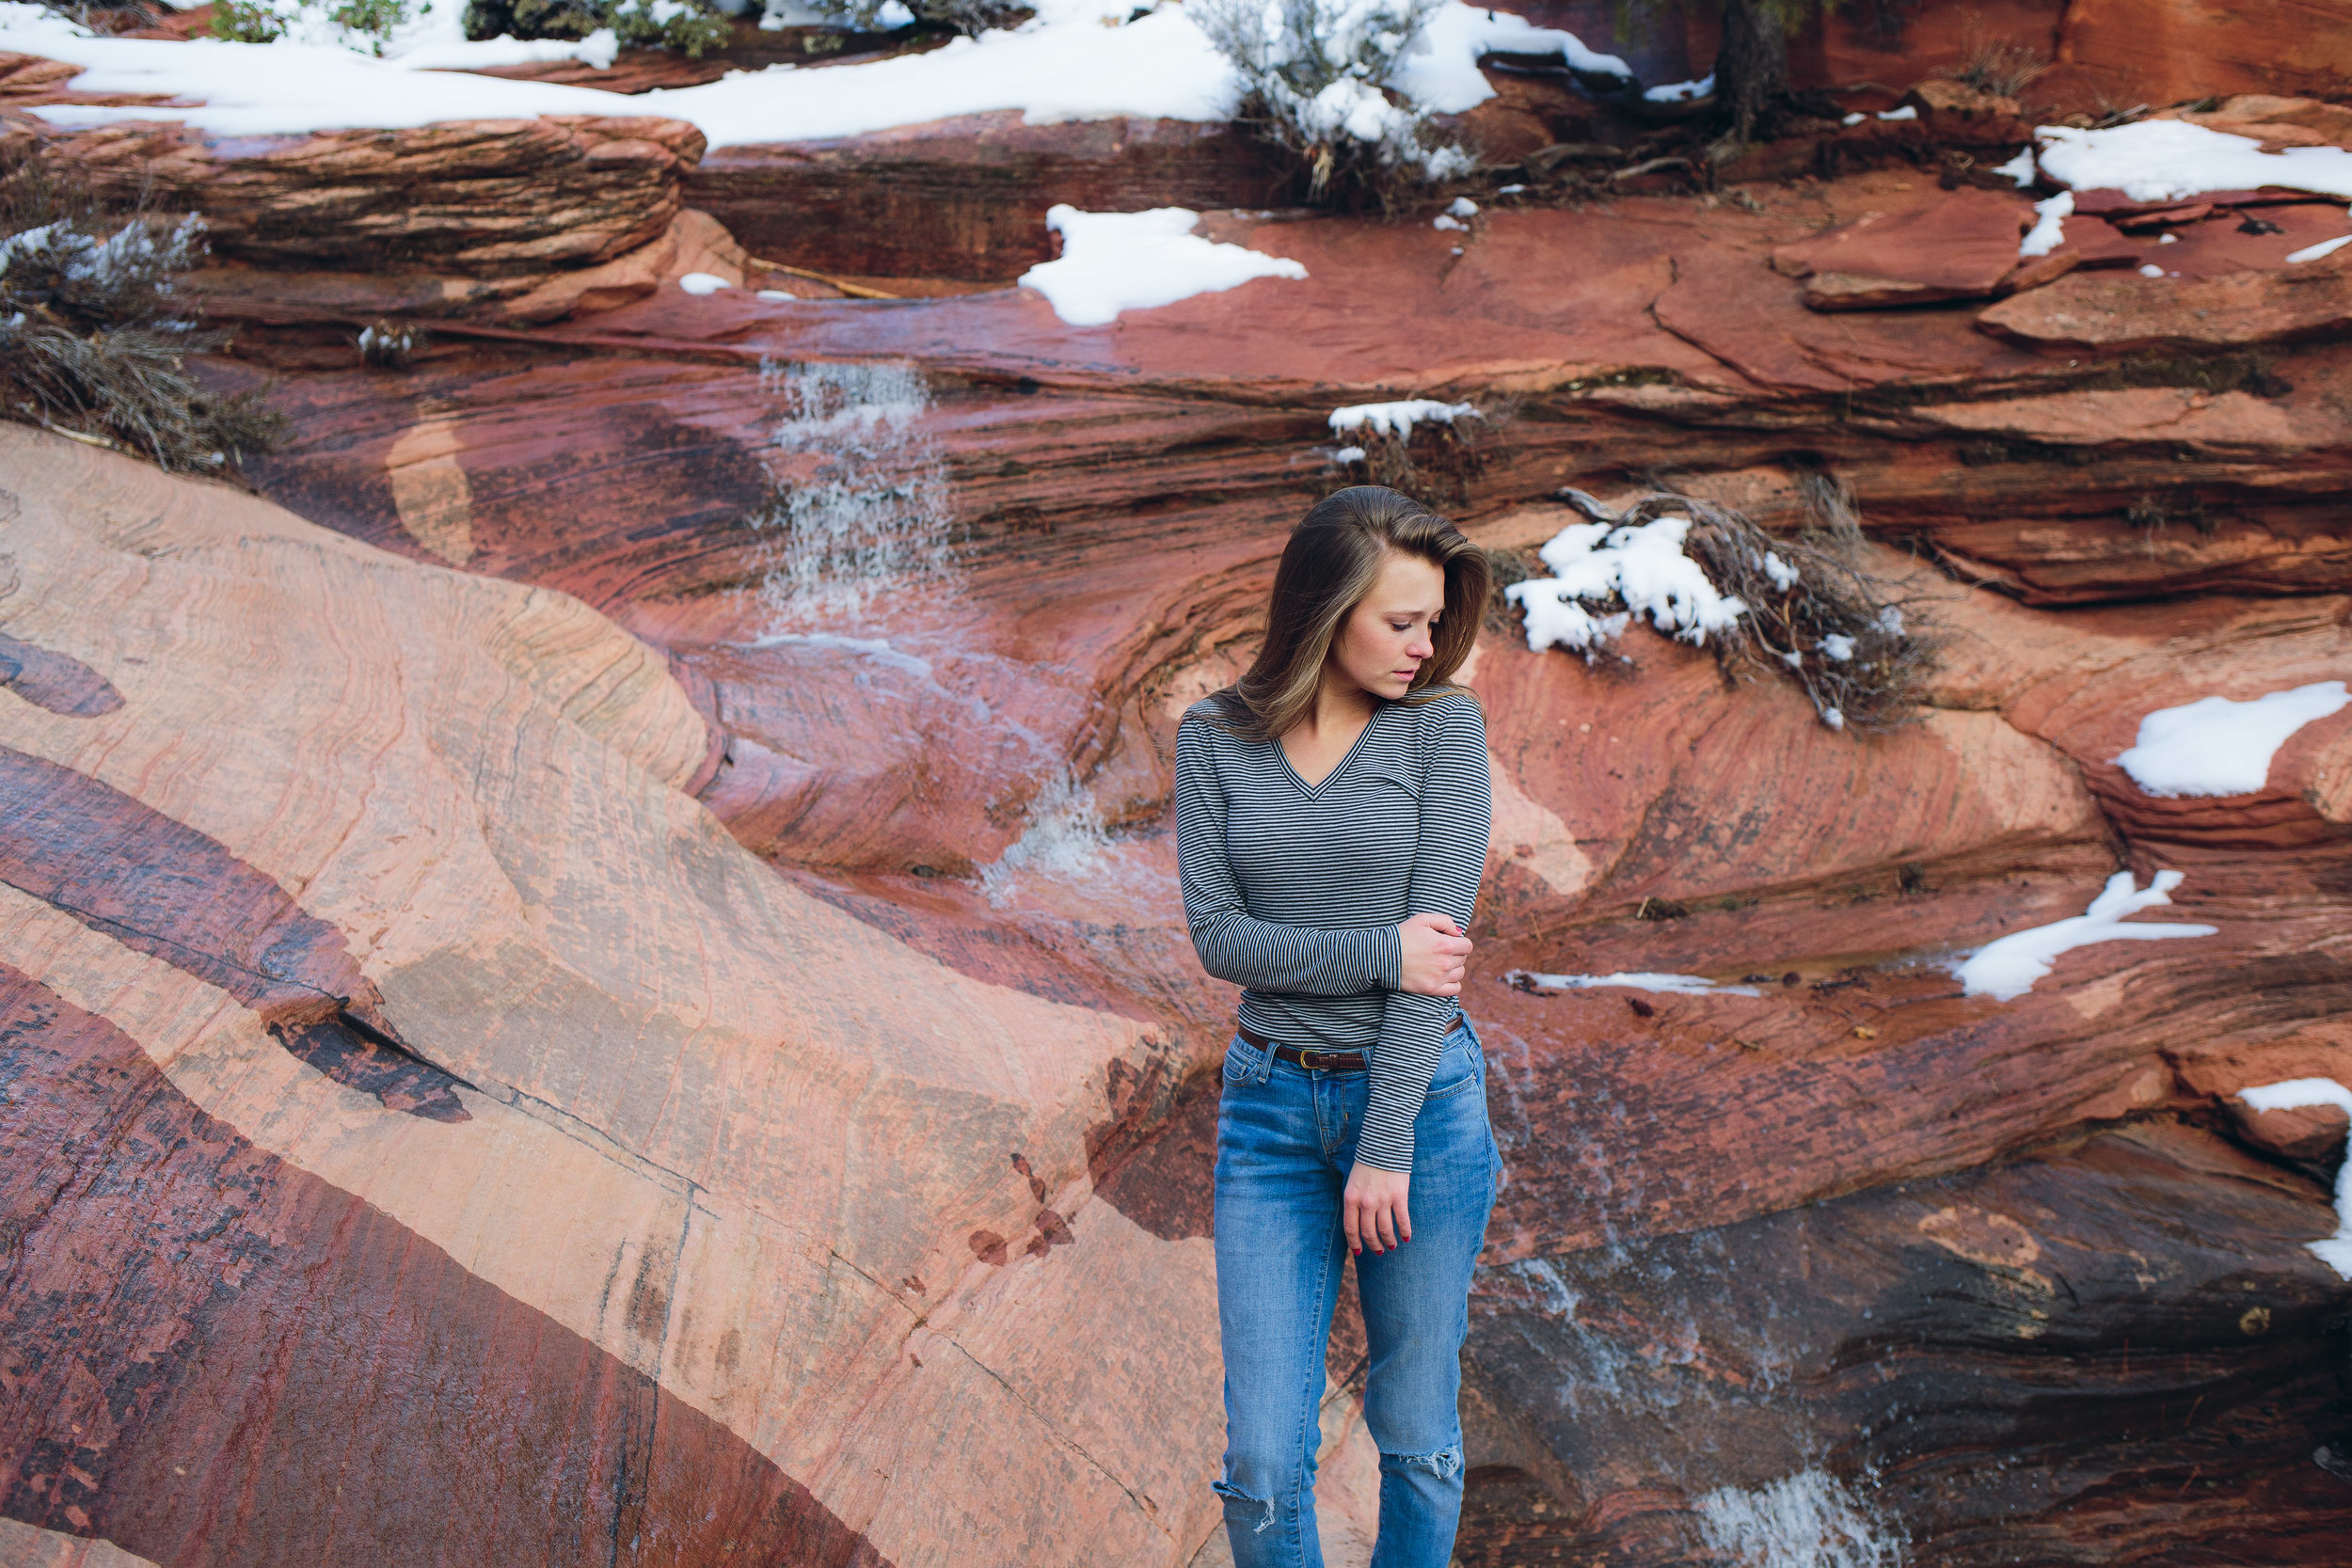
[(1818, 1245), (686, 1213)]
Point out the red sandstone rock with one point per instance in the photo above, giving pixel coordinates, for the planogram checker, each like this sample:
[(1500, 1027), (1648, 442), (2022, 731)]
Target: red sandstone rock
[(609, 1298), (966, 197), (2276, 122), (1952, 113), (2134, 314), (2166, 51), (1114, 499), (1959, 247), (486, 198)]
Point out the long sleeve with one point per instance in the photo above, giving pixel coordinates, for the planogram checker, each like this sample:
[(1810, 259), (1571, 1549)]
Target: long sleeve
[(1300, 960), (1456, 811)]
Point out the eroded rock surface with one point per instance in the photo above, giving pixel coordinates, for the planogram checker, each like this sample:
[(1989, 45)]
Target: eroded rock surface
[(614, 1297), (888, 1158)]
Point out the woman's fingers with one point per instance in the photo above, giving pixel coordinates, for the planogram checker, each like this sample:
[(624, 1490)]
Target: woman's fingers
[(1384, 1221)]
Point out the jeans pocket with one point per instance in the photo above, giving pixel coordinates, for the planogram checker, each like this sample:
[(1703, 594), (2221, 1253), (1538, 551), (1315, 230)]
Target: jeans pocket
[(1460, 1067), (1243, 1061)]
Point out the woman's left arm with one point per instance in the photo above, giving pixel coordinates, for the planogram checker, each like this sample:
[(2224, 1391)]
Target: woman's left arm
[(1456, 808)]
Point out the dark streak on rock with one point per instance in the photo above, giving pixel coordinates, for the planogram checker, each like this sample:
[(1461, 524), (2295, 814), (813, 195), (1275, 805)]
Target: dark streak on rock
[(58, 682), (163, 1282), (161, 888)]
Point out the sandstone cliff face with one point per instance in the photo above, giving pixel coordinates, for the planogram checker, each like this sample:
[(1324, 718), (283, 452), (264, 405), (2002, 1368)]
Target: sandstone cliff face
[(757, 841), (695, 1231)]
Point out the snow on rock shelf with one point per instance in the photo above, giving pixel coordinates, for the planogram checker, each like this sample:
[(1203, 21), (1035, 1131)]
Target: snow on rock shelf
[(2168, 160), (2215, 746), (2006, 968), (1115, 262), (1073, 60), (1398, 419), (2297, 1094)]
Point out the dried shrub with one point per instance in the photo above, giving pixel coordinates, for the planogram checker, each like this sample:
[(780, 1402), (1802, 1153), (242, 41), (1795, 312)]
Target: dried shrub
[(1797, 625), (390, 345), (1433, 462), (2003, 67), (94, 337), (1314, 75)]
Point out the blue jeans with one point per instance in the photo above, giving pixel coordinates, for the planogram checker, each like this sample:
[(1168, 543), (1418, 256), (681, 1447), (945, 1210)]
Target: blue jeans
[(1285, 1142)]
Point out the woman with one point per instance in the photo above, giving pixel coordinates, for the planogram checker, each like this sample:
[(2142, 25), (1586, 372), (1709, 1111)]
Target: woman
[(1332, 814)]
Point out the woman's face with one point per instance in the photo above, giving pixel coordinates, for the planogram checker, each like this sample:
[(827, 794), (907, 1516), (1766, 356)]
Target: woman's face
[(1385, 639)]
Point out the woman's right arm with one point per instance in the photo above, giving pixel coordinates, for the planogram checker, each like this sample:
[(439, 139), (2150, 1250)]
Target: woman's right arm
[(1302, 961)]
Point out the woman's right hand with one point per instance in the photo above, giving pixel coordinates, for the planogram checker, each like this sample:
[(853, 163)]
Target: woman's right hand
[(1434, 952)]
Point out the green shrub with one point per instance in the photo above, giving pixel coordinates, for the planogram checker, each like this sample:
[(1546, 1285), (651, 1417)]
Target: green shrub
[(687, 26), (267, 21), (955, 16)]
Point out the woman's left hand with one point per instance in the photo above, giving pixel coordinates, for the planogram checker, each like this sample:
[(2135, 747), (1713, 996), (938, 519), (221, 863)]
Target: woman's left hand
[(1374, 1208)]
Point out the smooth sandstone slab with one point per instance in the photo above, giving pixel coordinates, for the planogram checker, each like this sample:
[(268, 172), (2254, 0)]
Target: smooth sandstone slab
[(2131, 314), (1959, 247), (701, 1166)]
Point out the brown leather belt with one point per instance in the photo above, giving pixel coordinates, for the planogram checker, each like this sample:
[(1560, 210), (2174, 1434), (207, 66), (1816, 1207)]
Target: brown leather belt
[(1320, 1061)]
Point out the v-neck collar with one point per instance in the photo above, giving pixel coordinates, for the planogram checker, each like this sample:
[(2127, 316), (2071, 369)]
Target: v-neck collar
[(1315, 790)]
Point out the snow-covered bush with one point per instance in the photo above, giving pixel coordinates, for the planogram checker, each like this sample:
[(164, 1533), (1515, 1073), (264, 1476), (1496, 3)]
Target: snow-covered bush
[(1703, 573), (1419, 446), (92, 341), (685, 26), (956, 16), (1315, 75)]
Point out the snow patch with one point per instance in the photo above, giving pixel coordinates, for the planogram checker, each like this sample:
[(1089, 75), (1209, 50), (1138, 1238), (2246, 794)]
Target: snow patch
[(1398, 419), (2049, 225), (2019, 168), (2151, 270), (2313, 252), (1463, 207), (1665, 985), (702, 282), (1446, 220), (1808, 1520), (1909, 111), (1641, 567), (2296, 1094), (2214, 746), (2006, 968), (1684, 92), (1115, 262), (1444, 78), (2166, 160)]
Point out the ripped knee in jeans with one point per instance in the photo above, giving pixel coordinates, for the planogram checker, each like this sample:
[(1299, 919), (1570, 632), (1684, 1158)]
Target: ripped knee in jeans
[(1234, 1495), (1445, 1464)]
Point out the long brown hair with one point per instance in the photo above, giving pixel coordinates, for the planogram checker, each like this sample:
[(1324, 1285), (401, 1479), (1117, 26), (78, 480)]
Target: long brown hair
[(1331, 564)]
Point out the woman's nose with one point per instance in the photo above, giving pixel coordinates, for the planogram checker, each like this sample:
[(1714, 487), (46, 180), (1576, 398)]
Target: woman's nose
[(1419, 645)]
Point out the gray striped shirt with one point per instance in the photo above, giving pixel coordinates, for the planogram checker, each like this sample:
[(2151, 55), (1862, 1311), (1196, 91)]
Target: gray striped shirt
[(1296, 893)]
